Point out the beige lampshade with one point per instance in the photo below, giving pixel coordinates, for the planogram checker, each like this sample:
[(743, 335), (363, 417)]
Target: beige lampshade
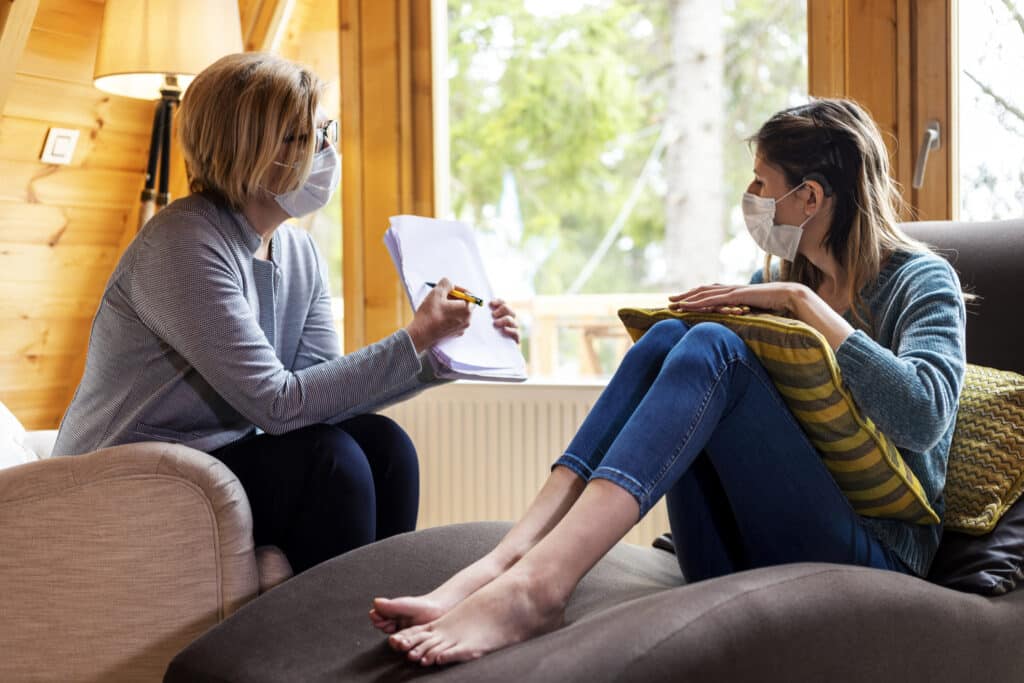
[(143, 41)]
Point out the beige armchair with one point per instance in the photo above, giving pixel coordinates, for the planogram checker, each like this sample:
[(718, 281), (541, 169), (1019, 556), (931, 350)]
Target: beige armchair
[(113, 561)]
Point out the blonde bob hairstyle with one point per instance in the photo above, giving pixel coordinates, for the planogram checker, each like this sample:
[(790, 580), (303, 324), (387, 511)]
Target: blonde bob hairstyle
[(246, 127), (838, 144)]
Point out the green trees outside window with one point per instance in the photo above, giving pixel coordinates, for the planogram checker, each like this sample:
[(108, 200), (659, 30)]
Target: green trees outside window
[(599, 147)]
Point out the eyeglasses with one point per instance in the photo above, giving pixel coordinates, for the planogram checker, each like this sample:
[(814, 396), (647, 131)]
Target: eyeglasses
[(326, 133)]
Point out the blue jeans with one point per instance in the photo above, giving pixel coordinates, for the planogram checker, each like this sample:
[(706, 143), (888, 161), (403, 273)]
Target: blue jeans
[(691, 414)]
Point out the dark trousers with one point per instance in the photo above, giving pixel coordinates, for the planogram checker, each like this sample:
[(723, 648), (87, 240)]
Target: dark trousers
[(319, 491)]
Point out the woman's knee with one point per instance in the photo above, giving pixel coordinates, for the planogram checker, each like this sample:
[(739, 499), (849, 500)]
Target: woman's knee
[(383, 429), (711, 335), (661, 337), (382, 437), (333, 454)]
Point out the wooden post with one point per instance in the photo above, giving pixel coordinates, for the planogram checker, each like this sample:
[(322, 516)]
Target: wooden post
[(387, 152)]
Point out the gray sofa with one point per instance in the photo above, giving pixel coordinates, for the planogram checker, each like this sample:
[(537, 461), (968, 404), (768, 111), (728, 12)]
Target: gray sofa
[(633, 618)]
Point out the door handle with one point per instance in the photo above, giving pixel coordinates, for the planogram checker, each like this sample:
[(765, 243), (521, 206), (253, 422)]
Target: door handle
[(932, 140)]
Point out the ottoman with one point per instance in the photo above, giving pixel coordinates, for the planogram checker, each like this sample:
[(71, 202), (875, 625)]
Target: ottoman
[(631, 619)]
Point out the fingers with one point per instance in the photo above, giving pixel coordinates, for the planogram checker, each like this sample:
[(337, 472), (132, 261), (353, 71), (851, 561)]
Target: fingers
[(508, 327), (733, 310), (690, 293), (456, 315), (500, 309), (505, 319), (715, 305), (705, 300)]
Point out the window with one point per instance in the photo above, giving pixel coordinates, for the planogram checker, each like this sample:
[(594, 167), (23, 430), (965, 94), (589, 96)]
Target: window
[(598, 146), (991, 109)]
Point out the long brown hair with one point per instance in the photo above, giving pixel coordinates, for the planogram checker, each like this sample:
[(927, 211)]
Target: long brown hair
[(837, 143)]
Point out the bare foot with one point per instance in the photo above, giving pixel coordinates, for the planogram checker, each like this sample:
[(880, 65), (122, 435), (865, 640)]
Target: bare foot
[(392, 614), (512, 608)]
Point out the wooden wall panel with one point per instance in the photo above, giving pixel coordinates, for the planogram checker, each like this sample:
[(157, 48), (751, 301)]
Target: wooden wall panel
[(61, 227), (97, 148), (42, 224), (78, 105), (28, 301)]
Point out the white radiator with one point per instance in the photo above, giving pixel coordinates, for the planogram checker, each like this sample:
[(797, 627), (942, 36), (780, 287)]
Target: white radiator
[(485, 449)]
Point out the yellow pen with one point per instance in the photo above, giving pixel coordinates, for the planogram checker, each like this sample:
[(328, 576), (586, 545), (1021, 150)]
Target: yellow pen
[(457, 294)]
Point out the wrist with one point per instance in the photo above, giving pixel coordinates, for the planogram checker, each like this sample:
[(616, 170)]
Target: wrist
[(419, 338), (796, 299)]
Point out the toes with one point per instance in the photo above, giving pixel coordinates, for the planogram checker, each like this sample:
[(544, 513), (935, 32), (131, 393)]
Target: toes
[(399, 643), (407, 639), (382, 606), (381, 622), (433, 655), (417, 653), (442, 655)]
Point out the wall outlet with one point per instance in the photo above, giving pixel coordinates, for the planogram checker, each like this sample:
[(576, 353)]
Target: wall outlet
[(60, 146)]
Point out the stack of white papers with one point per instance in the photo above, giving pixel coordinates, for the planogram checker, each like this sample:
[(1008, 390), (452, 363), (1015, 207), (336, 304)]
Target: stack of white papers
[(428, 249)]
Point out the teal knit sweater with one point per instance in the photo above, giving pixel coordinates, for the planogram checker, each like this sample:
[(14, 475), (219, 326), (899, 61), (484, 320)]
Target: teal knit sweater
[(906, 376)]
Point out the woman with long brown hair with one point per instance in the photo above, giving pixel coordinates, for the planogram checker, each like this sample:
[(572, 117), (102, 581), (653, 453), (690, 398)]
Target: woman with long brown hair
[(692, 415)]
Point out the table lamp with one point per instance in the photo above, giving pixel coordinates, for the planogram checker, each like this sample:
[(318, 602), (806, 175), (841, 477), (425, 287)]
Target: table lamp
[(152, 49)]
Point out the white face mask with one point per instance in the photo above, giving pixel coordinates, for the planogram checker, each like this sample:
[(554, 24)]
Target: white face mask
[(759, 215), (318, 188)]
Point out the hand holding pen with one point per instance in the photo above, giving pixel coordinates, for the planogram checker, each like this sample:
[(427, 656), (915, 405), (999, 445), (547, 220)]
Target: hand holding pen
[(439, 315), (504, 317), (460, 293)]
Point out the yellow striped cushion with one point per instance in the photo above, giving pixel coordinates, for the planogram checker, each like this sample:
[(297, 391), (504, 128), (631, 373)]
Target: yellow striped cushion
[(986, 459), (866, 466)]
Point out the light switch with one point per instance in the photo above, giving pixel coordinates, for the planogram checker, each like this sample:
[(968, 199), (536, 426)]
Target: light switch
[(60, 146)]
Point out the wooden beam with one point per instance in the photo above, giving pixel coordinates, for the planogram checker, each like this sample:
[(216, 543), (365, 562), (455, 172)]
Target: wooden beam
[(350, 59), (267, 25), (387, 151), (826, 47), (16, 17)]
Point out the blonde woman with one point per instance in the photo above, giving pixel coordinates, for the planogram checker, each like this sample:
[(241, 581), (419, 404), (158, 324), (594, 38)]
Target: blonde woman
[(215, 329), (691, 414)]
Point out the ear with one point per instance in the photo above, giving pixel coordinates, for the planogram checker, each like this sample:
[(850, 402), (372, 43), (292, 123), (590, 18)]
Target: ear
[(815, 196)]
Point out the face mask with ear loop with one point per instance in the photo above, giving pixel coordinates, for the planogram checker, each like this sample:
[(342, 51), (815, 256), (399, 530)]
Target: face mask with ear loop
[(316, 191), (780, 240)]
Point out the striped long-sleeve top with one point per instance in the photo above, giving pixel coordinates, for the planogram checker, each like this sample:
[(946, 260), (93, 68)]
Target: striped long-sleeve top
[(198, 342)]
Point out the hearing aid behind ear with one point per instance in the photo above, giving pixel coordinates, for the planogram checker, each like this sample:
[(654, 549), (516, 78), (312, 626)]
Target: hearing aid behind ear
[(821, 180)]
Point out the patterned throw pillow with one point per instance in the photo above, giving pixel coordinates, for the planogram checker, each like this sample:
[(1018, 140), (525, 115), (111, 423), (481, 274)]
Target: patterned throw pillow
[(866, 466), (986, 459)]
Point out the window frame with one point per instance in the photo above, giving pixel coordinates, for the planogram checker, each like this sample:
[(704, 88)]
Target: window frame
[(896, 57)]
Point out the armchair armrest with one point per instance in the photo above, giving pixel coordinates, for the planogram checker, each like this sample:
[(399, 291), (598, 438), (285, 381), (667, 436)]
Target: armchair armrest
[(113, 561)]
